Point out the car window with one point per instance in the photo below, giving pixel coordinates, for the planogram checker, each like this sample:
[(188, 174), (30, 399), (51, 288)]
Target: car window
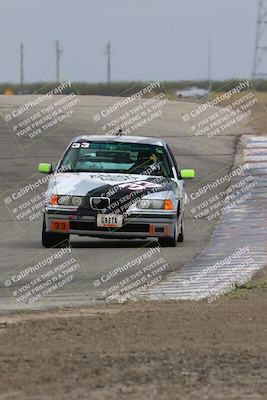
[(129, 158)]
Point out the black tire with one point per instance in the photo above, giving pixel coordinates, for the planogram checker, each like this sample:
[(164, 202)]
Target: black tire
[(167, 242), (53, 239), (172, 240), (181, 234)]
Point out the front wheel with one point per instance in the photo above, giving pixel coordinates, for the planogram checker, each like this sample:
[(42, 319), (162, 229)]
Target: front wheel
[(181, 234), (177, 237), (50, 239)]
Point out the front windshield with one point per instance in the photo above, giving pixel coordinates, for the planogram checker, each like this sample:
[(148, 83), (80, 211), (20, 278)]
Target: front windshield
[(117, 157)]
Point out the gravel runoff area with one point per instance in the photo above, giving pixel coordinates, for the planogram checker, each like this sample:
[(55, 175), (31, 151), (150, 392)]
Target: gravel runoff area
[(161, 350)]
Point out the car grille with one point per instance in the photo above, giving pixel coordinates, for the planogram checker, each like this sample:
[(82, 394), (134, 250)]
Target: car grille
[(91, 226), (99, 203)]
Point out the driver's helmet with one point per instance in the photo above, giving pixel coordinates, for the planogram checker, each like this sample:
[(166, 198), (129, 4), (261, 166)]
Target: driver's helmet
[(146, 157)]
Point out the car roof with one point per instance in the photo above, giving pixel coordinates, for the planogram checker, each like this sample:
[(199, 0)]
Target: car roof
[(121, 138)]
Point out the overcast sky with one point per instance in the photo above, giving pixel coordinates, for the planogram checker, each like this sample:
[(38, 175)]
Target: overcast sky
[(151, 39)]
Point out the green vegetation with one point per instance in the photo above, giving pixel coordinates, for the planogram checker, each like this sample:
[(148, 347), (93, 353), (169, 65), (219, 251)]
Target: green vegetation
[(122, 88), (242, 290)]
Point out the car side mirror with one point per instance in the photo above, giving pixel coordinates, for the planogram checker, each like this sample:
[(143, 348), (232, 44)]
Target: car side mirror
[(187, 174), (45, 168)]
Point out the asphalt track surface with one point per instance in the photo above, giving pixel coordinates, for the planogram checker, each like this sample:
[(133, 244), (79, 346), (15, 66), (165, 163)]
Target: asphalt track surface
[(21, 241)]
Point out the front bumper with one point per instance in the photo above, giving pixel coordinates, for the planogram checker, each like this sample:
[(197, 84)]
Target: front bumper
[(134, 226)]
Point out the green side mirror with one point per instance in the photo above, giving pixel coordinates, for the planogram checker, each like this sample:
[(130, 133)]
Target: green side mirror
[(187, 174), (45, 168)]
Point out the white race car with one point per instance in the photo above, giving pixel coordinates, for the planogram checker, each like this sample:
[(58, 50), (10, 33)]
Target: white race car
[(115, 187)]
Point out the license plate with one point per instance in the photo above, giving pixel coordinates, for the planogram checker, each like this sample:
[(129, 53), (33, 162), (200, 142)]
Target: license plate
[(109, 220), (60, 226)]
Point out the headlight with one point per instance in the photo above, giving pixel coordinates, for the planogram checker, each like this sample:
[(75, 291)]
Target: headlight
[(66, 200), (76, 201), (147, 204), (150, 204)]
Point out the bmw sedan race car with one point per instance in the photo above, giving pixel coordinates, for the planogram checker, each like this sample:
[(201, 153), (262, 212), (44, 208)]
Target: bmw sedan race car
[(115, 187)]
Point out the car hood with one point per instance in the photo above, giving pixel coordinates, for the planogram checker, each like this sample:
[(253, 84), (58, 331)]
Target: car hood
[(103, 184)]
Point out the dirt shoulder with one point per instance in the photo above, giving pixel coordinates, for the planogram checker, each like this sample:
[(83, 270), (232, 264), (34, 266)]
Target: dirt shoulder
[(159, 350)]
